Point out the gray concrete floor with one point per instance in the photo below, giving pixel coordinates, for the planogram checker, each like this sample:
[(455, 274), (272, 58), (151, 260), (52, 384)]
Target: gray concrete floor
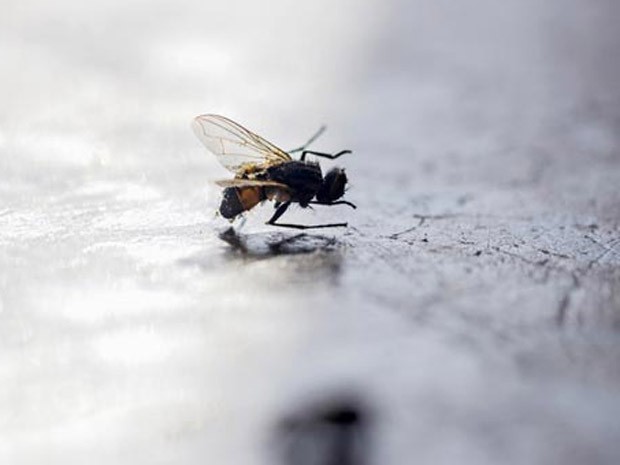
[(469, 314)]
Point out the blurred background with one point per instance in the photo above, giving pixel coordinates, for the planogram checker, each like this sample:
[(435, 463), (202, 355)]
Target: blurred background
[(470, 313)]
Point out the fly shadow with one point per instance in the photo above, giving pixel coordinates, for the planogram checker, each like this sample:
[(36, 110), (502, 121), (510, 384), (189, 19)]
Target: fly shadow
[(297, 258), (271, 244)]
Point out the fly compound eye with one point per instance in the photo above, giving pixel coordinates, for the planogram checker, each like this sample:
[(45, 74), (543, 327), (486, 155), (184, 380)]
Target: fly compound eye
[(333, 186)]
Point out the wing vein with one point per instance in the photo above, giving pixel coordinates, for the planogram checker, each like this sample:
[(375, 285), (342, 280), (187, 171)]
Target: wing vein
[(235, 146)]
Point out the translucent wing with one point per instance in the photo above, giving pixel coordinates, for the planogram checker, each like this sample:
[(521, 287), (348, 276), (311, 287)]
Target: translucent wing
[(272, 190), (250, 183), (234, 146)]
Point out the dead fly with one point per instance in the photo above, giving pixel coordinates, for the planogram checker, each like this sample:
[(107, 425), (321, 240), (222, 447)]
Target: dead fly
[(265, 172)]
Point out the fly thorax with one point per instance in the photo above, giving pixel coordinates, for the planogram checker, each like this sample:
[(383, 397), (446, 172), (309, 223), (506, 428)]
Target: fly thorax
[(303, 178)]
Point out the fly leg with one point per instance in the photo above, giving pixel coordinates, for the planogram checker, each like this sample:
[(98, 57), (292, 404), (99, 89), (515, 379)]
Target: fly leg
[(282, 208), (279, 212), (323, 154), (337, 202), (312, 139)]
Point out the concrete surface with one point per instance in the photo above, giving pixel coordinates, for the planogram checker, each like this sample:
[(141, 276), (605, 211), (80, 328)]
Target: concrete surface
[(470, 314)]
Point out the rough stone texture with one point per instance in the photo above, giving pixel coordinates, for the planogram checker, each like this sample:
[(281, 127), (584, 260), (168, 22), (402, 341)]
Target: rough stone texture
[(470, 314)]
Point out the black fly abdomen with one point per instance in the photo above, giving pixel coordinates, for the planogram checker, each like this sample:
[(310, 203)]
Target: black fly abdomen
[(230, 206), (236, 200)]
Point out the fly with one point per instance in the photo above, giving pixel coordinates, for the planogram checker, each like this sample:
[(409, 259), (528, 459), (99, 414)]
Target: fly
[(265, 172)]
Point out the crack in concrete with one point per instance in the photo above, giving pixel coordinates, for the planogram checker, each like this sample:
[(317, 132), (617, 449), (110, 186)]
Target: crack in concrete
[(606, 250)]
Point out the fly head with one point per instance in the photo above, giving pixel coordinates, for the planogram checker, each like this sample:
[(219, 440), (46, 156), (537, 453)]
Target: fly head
[(333, 186)]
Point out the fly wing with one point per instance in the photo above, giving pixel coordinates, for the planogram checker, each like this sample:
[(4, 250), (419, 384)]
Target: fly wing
[(234, 146), (251, 183), (275, 191)]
